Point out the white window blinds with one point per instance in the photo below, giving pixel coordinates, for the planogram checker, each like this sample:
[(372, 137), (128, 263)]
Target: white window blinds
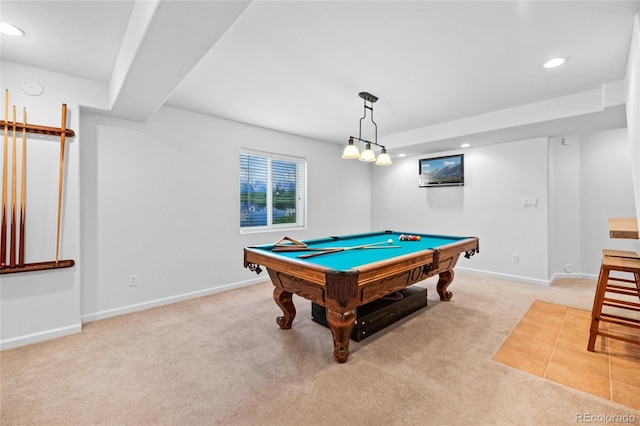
[(272, 191)]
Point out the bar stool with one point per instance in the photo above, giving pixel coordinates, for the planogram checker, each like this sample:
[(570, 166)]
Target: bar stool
[(608, 294)]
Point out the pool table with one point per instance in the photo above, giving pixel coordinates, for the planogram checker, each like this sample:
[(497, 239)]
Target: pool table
[(370, 267)]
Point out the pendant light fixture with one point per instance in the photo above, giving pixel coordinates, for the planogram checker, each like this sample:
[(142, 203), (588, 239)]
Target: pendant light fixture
[(351, 151)]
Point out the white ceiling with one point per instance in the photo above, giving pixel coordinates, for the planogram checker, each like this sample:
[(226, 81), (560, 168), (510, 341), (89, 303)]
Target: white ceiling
[(442, 70)]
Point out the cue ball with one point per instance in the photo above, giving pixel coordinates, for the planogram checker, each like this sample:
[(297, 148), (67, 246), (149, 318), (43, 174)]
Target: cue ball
[(390, 241)]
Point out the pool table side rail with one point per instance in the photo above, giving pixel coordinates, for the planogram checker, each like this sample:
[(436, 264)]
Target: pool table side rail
[(470, 244), (392, 266), (309, 271), (377, 282)]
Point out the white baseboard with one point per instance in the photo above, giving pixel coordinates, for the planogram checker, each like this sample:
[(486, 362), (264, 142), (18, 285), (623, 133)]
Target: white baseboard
[(41, 336), (166, 301), (559, 275), (505, 276)]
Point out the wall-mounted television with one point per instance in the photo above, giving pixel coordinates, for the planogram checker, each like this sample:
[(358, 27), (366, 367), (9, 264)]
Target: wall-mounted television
[(441, 171)]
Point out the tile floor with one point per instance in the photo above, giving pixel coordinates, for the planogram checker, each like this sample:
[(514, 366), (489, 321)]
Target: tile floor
[(551, 342)]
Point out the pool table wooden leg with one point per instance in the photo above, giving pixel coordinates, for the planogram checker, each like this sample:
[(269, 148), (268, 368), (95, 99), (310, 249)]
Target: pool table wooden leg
[(341, 326), (283, 299), (443, 282)]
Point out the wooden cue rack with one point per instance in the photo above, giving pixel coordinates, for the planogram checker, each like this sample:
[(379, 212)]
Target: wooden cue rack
[(12, 232)]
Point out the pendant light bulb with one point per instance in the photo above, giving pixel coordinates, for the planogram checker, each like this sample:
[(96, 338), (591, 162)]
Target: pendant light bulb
[(368, 155), (351, 151), (383, 158)]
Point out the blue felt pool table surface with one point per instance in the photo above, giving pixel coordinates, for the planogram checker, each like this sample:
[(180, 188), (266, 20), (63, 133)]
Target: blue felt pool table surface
[(351, 259)]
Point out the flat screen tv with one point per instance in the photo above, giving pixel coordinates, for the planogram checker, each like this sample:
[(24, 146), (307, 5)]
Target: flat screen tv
[(441, 171)]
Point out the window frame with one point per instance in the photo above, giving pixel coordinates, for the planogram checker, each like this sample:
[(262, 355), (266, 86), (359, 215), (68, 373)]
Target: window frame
[(301, 192)]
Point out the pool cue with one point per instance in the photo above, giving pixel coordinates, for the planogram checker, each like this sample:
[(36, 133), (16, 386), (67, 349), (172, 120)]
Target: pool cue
[(337, 249), (61, 175), (281, 249), (3, 233), (23, 188), (293, 248), (12, 243)]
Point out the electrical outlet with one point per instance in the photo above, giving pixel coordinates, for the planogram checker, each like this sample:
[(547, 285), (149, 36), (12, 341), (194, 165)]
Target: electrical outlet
[(529, 202), (515, 258), (133, 280)]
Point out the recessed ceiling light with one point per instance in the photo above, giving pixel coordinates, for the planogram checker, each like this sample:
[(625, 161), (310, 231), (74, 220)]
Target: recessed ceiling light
[(402, 155), (11, 30), (465, 145), (555, 62)]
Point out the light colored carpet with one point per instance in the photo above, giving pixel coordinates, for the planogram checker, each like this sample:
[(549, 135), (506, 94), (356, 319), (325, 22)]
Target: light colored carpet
[(222, 360)]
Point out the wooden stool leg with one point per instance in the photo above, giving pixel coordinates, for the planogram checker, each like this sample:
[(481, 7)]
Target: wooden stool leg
[(598, 299)]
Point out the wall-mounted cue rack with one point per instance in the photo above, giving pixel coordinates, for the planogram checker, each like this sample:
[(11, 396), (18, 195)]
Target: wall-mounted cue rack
[(12, 258)]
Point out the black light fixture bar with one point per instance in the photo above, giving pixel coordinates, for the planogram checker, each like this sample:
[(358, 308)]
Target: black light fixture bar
[(368, 97), (371, 98), (351, 151), (366, 141)]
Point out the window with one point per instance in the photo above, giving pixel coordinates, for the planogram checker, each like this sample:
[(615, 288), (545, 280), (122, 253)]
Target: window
[(272, 191)]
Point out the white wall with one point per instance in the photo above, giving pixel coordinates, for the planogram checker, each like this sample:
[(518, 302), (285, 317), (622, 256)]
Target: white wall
[(45, 304), (632, 102), (606, 190), (589, 182), (564, 205), (162, 202), (158, 199), (578, 187), (488, 206)]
